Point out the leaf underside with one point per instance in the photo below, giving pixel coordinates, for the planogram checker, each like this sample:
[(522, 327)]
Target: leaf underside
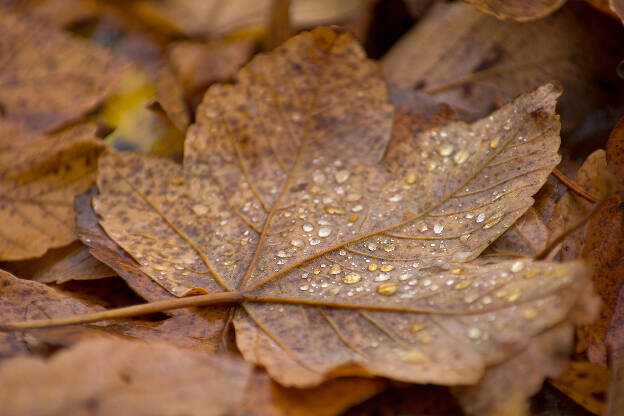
[(351, 260)]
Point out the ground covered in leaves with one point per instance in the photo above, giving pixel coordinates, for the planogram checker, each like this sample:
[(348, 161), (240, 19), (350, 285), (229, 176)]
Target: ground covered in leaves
[(233, 209)]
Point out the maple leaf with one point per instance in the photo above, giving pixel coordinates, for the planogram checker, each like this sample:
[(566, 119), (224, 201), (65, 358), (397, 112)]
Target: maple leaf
[(346, 255), (39, 177), (49, 78)]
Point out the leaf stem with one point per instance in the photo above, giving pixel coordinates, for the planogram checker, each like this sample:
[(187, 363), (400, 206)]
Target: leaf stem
[(573, 186), (129, 311)]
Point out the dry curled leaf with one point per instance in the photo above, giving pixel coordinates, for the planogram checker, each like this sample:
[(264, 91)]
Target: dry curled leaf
[(475, 62), (113, 376), (168, 102), (586, 384), (49, 78), (39, 177), (350, 260), (520, 10)]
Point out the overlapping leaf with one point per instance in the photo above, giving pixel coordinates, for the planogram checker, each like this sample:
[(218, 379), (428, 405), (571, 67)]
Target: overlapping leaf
[(351, 260), (39, 177), (49, 78)]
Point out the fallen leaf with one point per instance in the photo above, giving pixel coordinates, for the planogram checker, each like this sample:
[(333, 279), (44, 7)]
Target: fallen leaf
[(72, 262), (474, 62), (39, 177), (168, 101), (348, 263), (199, 64), (527, 237), (612, 7), (106, 376), (615, 404), (266, 397), (49, 78), (586, 384), (520, 10), (615, 155)]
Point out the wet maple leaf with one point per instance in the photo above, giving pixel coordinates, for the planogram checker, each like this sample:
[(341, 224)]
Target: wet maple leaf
[(348, 259), (520, 10)]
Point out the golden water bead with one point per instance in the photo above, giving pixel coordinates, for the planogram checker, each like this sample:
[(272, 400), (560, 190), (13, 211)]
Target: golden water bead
[(351, 278), (387, 289)]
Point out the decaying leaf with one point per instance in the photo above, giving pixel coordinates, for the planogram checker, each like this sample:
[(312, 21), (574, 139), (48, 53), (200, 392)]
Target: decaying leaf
[(72, 262), (265, 397), (520, 10), (586, 384), (169, 99), (350, 260), (39, 177), (475, 62), (112, 376), (49, 78)]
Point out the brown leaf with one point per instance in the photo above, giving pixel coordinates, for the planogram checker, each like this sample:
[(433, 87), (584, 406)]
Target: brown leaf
[(72, 262), (612, 7), (520, 10), (266, 397), (586, 384), (200, 64), (106, 376), (39, 177), (615, 155), (474, 62), (200, 328), (49, 78), (351, 260), (169, 99)]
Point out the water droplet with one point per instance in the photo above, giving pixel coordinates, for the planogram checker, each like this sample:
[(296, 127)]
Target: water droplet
[(480, 217), (438, 228), (463, 284), (531, 273), (431, 165), (445, 150), (324, 232), (307, 227), (507, 124), (351, 278), (303, 287), (474, 333), (514, 294), (413, 356), (417, 327), (357, 208), (317, 271), (353, 218), (314, 241), (411, 178), (386, 267), (382, 277), (334, 210), (486, 300), (494, 143), (426, 282), (469, 215), (335, 269), (395, 198), (517, 266), (372, 246), (282, 254), (372, 267), (493, 221), (297, 243), (388, 248), (353, 196), (342, 176), (200, 209), (405, 276), (460, 157), (387, 289), (318, 177), (529, 313), (422, 227), (459, 270), (158, 267), (425, 338)]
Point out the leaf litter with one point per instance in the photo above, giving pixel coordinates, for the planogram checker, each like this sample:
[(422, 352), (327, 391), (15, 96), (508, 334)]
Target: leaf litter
[(349, 262), (281, 167)]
